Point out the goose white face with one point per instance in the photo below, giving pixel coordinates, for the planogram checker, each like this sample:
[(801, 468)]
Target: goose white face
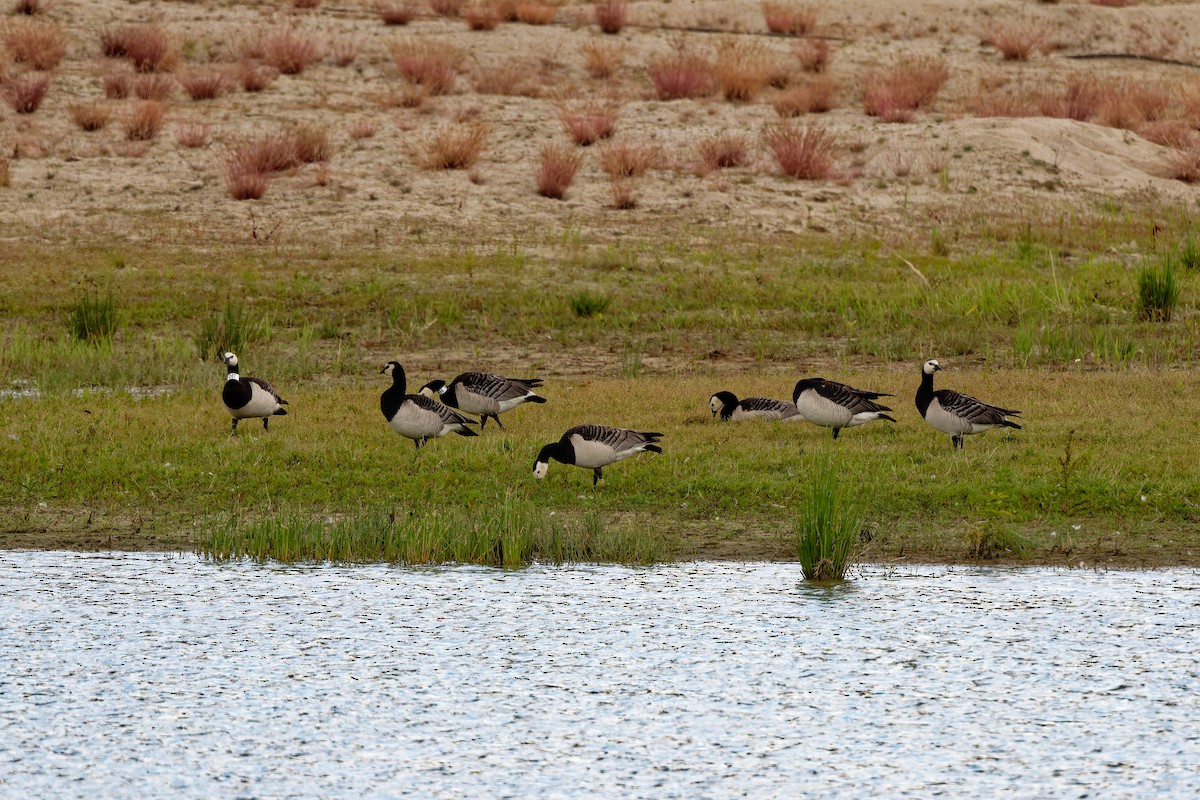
[(540, 469), (932, 366), (230, 360), (715, 404), (387, 369)]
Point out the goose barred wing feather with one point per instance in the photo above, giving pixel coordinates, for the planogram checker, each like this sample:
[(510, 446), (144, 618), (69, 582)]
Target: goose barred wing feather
[(619, 439), (766, 404), (260, 383), (448, 414), (495, 387), (972, 410), (857, 401)]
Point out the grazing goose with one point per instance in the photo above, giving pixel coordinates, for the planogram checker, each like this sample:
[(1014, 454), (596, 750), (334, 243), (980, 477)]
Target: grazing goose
[(485, 394), (836, 405), (415, 416), (249, 398), (595, 447), (956, 413), (730, 408)]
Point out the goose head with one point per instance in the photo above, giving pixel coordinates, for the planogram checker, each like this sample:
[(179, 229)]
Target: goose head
[(229, 360), (722, 403), (433, 388), (931, 366)]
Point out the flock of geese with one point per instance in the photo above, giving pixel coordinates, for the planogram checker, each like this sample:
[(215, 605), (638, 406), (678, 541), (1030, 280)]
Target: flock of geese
[(440, 408)]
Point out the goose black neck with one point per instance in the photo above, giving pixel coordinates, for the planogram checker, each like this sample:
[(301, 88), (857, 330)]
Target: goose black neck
[(393, 396), (560, 451), (231, 369), (925, 392)]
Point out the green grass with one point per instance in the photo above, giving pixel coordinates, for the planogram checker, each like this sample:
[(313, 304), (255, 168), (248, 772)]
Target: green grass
[(827, 528), (94, 319), (1158, 291), (589, 304), (232, 328)]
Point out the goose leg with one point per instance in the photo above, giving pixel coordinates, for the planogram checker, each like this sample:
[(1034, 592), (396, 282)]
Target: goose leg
[(498, 422), (417, 443), (596, 476), (836, 431), (233, 430), (265, 420), (956, 442)]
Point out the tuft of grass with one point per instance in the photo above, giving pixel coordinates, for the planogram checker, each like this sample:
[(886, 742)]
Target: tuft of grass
[(827, 528), (289, 50), (743, 69), (602, 59), (32, 7), (1188, 254), (589, 121), (90, 116), (624, 193), (534, 13), (231, 328), (447, 8), (1183, 164), (256, 77), (454, 147), (814, 96), (154, 87), (5, 172), (806, 153), (395, 13), (206, 84), (430, 64), (116, 85), (557, 165), (193, 135), (628, 159), (1158, 290), (144, 120), (147, 46), (611, 15), (814, 55), (482, 15), (25, 93), (39, 44), (1016, 41), (588, 304), (94, 319), (789, 19), (722, 151), (683, 74), (895, 93)]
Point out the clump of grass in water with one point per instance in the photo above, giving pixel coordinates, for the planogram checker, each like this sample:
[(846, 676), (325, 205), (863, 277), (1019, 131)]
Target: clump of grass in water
[(506, 534), (229, 329), (588, 304), (94, 319), (827, 530), (1158, 292)]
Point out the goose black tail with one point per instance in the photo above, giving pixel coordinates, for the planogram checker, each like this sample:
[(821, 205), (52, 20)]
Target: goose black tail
[(1008, 423), (652, 448), (885, 416), (466, 431), (279, 412), (651, 435), (282, 402), (534, 398)]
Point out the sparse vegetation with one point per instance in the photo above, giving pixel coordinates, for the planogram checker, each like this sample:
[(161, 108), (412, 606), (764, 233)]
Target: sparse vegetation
[(589, 121), (625, 159), (1158, 291), (94, 319), (37, 43), (814, 55), (25, 93), (90, 116), (602, 59), (534, 13), (1017, 41), (289, 51), (557, 165), (482, 15), (144, 120), (256, 77), (154, 87), (429, 64), (743, 69), (827, 529), (610, 15), (454, 147), (589, 304), (814, 96), (683, 74), (193, 135), (789, 18), (116, 85), (806, 153), (231, 328), (895, 93), (395, 13), (147, 46), (206, 84)]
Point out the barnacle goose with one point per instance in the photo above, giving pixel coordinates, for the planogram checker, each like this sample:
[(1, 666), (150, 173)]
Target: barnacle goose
[(595, 447), (485, 394), (415, 416), (249, 398), (836, 405), (730, 408), (956, 413)]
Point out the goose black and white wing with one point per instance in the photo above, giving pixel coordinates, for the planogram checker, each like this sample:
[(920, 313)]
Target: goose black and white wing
[(767, 405), (974, 411), (856, 401), (447, 414), (266, 387), (495, 387), (617, 439)]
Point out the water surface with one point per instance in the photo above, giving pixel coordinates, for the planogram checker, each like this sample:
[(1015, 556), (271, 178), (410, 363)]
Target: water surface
[(136, 675)]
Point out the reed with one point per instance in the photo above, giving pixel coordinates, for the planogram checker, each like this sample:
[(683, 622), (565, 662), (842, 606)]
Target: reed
[(94, 319), (231, 328), (827, 529), (1158, 290), (589, 304)]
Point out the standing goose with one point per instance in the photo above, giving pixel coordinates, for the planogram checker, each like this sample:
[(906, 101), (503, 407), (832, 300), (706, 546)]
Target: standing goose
[(485, 394), (730, 408), (249, 398), (415, 416), (956, 413), (836, 405), (595, 447)]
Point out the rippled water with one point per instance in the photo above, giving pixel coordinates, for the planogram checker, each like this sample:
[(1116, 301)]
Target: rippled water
[(139, 675)]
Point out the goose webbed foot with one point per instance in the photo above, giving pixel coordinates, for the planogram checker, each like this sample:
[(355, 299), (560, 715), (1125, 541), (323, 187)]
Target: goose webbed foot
[(233, 430), (836, 431), (597, 474), (265, 421), (498, 422)]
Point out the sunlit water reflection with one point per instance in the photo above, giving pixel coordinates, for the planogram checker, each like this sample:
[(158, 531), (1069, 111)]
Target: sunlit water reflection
[(139, 675)]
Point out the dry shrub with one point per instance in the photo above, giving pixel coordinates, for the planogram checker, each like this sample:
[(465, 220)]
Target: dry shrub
[(344, 50), (147, 46), (557, 165), (1082, 98), (312, 143), (894, 94), (90, 116), (395, 13), (454, 147), (536, 13), (483, 15), (1017, 41), (36, 43), (789, 19), (153, 87), (268, 153), (206, 84), (610, 15), (5, 172), (997, 104), (602, 59), (429, 64), (589, 121), (722, 151), (624, 193), (814, 96), (512, 78), (814, 55), (144, 120), (447, 8), (24, 93), (683, 74), (1184, 164), (116, 85), (1172, 133), (32, 7), (242, 177), (626, 160), (193, 135), (256, 77), (743, 69), (806, 153), (363, 128), (289, 50)]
